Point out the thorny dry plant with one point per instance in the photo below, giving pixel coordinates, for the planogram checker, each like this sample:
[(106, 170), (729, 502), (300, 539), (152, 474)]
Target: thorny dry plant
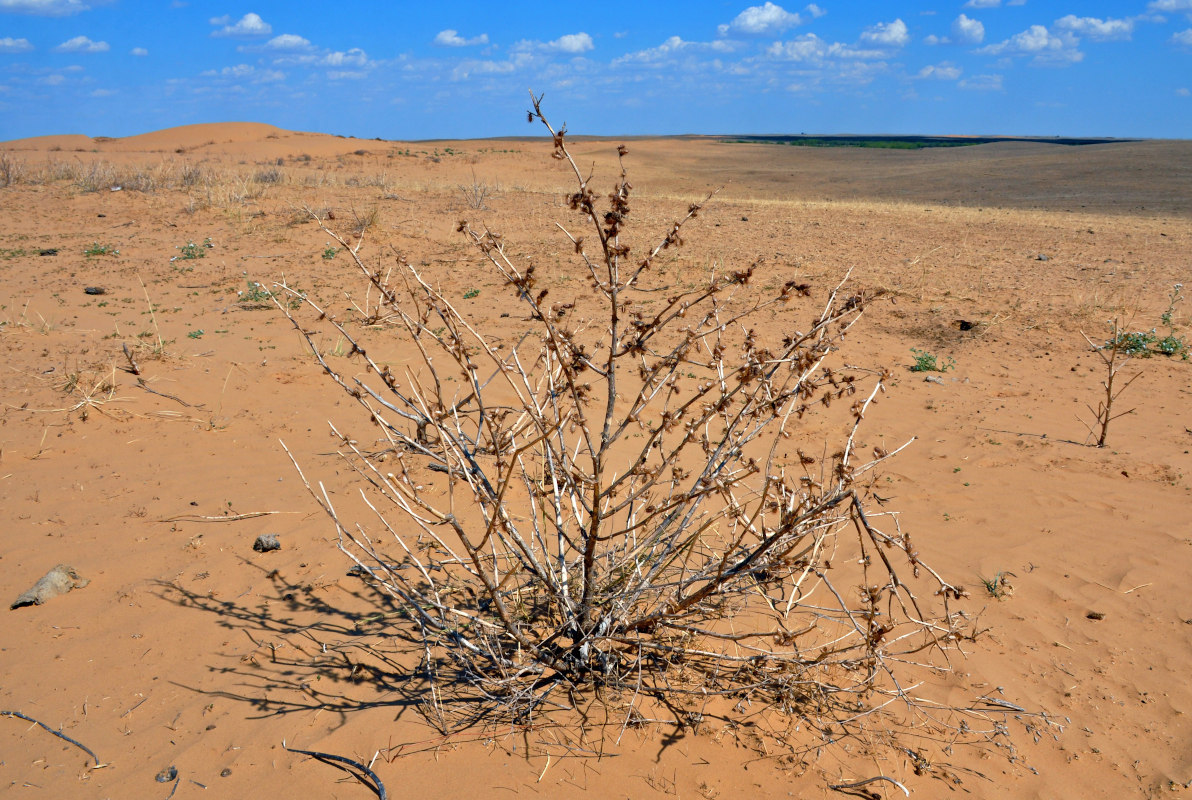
[(606, 509), (1114, 355)]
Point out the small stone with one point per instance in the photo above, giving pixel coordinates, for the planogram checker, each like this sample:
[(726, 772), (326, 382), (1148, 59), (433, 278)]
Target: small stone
[(58, 581), (94, 290), (1042, 257), (266, 542), (166, 775), (225, 772)]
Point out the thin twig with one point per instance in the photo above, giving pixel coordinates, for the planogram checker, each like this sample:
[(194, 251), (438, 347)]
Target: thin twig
[(59, 734), (377, 787), (229, 518), (840, 786)]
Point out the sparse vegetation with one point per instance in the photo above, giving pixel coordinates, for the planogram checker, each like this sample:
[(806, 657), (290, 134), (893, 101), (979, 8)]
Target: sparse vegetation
[(998, 587), (191, 251), (927, 362), (96, 249)]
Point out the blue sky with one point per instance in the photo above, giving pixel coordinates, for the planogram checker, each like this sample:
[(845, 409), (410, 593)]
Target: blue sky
[(458, 69)]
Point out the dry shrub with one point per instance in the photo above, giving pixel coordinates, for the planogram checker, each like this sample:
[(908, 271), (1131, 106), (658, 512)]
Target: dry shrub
[(607, 509), (12, 169)]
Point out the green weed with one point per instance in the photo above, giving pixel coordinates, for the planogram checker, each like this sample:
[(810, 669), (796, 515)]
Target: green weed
[(97, 249), (927, 362)]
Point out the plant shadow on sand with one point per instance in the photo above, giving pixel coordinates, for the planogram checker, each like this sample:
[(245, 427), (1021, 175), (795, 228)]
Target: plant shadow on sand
[(305, 645), (311, 655)]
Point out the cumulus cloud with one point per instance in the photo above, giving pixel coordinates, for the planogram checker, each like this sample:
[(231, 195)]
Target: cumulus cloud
[(1037, 41), (451, 38), (944, 72), (810, 48), (887, 34), (249, 25), (44, 8), (571, 43), (764, 20), (288, 41), (243, 72), (968, 31), (1183, 37), (673, 47), (81, 44), (1096, 29), (138, 51), (10, 45), (352, 58), (983, 3), (814, 11)]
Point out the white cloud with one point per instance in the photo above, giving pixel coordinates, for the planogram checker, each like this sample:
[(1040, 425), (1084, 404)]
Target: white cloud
[(1183, 37), (352, 58), (451, 38), (571, 43), (968, 31), (138, 51), (44, 8), (1037, 41), (243, 72), (1096, 29), (768, 20), (346, 75), (1183, 92), (673, 47), (52, 80), (249, 25), (1169, 5), (288, 41), (103, 93), (983, 3), (982, 83), (81, 44), (814, 11), (887, 34), (944, 72), (10, 45), (808, 47)]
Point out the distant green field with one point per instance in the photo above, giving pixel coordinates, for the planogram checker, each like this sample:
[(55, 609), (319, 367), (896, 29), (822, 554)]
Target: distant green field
[(885, 144), (901, 142)]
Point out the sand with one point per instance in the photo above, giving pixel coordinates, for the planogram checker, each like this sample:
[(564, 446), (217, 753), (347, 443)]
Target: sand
[(188, 649)]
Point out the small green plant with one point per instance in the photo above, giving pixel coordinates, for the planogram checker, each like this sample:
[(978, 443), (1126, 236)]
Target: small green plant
[(190, 250), (927, 362), (97, 249), (196, 334), (1141, 344), (329, 252), (1172, 345), (254, 294), (468, 295), (997, 586)]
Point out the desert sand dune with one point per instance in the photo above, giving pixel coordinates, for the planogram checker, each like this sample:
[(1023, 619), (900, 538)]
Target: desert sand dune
[(188, 650)]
